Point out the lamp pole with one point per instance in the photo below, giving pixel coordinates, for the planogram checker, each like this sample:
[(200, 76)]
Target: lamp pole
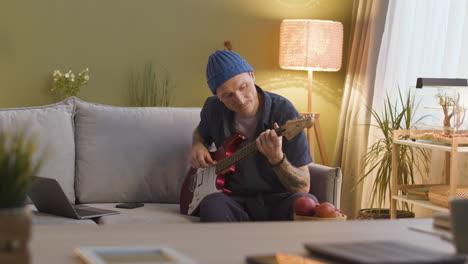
[(310, 131), (309, 97)]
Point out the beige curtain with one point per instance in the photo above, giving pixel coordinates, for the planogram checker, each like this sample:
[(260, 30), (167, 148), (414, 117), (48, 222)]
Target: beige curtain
[(366, 35)]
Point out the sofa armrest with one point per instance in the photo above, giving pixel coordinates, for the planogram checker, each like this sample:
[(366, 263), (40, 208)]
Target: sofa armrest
[(325, 183)]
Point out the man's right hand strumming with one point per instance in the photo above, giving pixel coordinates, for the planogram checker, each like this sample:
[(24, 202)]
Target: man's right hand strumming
[(200, 157)]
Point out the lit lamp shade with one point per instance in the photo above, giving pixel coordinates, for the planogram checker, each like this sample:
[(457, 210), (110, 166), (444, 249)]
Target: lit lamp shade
[(307, 44)]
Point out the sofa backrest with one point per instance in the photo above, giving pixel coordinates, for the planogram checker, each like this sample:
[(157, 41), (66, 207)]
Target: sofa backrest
[(131, 154), (52, 125)]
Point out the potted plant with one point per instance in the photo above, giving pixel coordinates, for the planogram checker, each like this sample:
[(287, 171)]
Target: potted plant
[(150, 88), (17, 169), (378, 158), (452, 108), (68, 84)]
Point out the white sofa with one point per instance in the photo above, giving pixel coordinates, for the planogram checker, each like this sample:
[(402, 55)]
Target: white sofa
[(103, 155)]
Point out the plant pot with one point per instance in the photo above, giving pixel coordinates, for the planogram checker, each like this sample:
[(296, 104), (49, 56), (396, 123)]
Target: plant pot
[(15, 233), (374, 213)]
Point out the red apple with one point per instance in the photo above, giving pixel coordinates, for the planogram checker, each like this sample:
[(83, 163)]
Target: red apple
[(326, 210), (304, 206)]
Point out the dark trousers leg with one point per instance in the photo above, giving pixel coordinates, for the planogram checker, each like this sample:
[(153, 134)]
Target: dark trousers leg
[(284, 210), (219, 207)]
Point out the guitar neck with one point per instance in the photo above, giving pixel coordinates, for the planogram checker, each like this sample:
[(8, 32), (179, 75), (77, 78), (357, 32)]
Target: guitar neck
[(227, 162), (248, 149)]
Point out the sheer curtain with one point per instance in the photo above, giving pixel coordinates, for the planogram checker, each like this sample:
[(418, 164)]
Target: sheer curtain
[(366, 35), (422, 38)]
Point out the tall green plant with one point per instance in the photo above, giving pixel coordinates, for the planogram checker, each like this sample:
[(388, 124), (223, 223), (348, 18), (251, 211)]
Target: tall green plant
[(378, 158), (150, 88), (17, 168)]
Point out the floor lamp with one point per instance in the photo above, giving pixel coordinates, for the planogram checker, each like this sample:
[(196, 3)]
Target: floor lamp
[(311, 45)]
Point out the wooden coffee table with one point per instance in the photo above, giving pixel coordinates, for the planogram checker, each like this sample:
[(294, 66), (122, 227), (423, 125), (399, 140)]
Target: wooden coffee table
[(225, 243)]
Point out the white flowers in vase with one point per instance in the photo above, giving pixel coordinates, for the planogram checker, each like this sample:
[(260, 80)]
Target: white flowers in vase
[(68, 84)]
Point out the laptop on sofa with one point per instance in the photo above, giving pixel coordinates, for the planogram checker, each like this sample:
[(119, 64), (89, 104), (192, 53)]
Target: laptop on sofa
[(48, 197)]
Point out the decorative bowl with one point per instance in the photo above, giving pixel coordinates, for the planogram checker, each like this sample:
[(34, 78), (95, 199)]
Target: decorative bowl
[(341, 217)]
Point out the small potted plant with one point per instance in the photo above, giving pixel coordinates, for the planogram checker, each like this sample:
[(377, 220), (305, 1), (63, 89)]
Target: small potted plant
[(17, 169), (68, 84), (152, 87), (378, 158), (452, 109)]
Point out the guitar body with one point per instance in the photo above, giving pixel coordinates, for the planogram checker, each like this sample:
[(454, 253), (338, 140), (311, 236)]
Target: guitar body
[(201, 182)]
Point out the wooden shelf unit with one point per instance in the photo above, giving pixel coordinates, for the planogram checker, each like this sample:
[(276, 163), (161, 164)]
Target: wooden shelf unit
[(451, 168), (423, 203)]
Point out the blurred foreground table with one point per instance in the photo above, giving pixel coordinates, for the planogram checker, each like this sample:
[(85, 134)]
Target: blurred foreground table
[(226, 243)]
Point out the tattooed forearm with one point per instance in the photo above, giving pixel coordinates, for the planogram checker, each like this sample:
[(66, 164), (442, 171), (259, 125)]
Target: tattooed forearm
[(293, 179)]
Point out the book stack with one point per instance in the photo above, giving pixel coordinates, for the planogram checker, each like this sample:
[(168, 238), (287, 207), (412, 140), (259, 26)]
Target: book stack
[(442, 221), (418, 193), (441, 226)]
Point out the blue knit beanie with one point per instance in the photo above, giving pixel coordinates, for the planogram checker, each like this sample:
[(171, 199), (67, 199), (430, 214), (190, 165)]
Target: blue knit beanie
[(222, 66)]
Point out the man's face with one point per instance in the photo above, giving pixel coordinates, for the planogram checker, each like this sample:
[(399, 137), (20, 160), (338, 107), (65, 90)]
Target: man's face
[(238, 94)]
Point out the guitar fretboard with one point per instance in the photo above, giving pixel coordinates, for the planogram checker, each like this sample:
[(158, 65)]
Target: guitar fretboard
[(240, 154), (236, 156)]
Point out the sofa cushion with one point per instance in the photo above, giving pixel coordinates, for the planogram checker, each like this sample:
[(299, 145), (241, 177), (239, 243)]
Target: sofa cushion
[(53, 127), (148, 214), (131, 154)]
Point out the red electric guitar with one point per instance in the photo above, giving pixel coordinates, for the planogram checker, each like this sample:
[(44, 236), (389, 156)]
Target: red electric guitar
[(201, 182)]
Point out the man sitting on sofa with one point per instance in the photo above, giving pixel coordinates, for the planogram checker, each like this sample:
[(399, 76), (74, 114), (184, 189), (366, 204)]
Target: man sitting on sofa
[(265, 184)]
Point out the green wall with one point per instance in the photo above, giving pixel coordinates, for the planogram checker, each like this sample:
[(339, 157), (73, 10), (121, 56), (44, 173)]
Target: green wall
[(113, 37)]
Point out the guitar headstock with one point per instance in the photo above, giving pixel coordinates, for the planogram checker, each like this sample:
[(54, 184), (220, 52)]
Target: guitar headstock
[(295, 126)]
